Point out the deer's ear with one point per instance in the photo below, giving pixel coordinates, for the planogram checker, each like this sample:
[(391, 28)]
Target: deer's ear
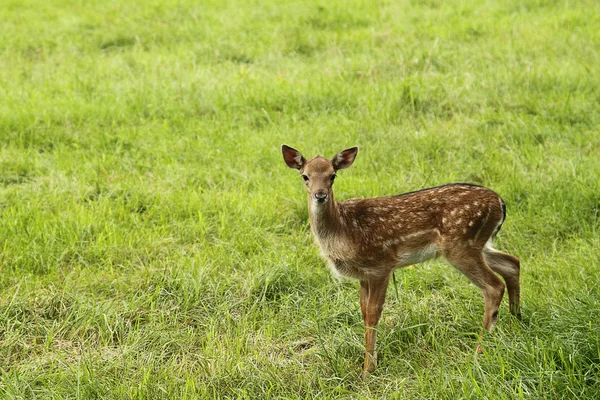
[(292, 157), (345, 158)]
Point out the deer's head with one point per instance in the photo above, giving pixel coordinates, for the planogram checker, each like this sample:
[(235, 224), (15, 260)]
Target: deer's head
[(318, 172)]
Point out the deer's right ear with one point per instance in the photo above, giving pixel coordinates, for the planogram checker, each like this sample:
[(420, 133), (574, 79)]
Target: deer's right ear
[(292, 157), (345, 158)]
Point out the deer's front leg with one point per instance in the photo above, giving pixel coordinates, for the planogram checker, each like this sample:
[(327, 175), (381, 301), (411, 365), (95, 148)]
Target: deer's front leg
[(364, 296), (374, 306)]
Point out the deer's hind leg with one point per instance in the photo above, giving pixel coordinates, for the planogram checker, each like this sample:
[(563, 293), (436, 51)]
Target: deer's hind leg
[(508, 267), (470, 262)]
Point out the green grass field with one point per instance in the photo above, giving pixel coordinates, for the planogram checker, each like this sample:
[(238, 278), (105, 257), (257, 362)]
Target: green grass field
[(154, 245)]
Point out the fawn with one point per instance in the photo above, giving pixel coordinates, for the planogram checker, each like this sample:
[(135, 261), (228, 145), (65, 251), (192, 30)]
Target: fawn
[(367, 239)]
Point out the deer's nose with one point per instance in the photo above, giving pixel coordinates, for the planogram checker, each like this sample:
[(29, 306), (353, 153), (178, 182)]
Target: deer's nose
[(321, 197)]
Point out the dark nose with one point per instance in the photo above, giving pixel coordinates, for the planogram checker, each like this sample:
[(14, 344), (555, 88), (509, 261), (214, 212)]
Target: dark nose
[(321, 197)]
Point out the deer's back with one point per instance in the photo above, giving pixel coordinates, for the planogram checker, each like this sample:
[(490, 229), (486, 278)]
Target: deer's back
[(446, 207)]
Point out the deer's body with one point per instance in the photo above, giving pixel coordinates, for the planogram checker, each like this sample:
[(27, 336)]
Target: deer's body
[(367, 239), (371, 237)]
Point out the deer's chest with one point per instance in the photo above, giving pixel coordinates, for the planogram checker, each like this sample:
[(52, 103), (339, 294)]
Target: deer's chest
[(339, 253), (344, 260), (345, 268)]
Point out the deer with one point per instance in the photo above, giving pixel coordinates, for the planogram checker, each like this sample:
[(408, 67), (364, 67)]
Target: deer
[(367, 239)]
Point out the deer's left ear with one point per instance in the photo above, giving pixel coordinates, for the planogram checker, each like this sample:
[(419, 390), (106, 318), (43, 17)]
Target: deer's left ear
[(292, 157), (345, 158)]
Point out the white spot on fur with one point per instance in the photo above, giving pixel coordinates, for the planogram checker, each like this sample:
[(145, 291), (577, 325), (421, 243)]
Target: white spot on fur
[(416, 234)]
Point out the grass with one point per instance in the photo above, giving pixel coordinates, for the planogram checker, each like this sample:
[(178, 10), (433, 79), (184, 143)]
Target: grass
[(153, 244)]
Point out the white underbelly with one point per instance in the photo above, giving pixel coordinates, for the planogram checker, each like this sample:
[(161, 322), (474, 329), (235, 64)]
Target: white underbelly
[(416, 256)]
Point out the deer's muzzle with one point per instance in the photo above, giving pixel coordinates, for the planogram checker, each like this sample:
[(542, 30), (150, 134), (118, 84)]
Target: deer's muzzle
[(321, 197)]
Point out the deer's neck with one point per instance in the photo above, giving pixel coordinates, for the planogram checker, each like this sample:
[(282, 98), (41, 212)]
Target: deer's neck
[(324, 218)]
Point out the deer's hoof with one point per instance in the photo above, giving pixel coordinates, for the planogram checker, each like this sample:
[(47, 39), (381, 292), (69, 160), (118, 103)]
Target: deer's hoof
[(370, 365)]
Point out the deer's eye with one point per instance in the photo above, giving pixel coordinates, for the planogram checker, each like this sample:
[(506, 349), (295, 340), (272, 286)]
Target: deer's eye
[(332, 177), (305, 177)]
